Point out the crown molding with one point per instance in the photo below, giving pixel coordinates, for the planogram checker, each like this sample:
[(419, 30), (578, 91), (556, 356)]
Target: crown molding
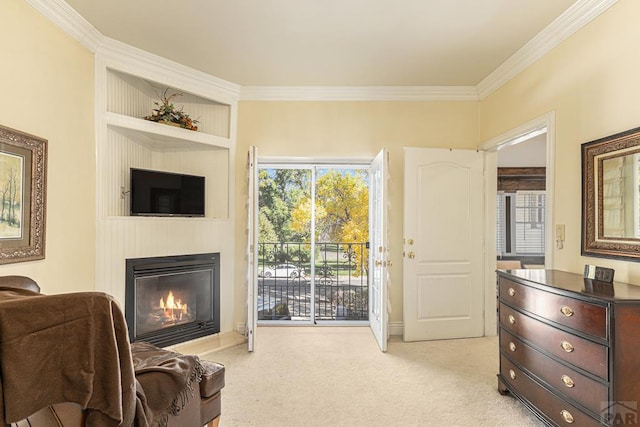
[(70, 21), (577, 16), (129, 59), (359, 93)]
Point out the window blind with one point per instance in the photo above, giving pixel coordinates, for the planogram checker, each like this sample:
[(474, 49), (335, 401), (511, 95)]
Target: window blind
[(521, 230)]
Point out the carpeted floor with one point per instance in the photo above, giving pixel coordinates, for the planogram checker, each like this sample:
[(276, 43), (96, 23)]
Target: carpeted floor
[(336, 376)]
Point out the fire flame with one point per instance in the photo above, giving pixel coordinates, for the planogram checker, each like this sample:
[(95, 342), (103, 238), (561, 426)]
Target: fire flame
[(173, 309)]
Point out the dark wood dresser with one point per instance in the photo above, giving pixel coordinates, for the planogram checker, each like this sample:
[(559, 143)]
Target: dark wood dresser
[(570, 347)]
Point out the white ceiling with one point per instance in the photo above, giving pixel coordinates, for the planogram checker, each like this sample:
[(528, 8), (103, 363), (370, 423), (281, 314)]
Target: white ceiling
[(526, 154), (329, 42)]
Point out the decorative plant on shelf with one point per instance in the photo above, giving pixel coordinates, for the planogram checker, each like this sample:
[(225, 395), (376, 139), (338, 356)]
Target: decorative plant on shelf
[(167, 113)]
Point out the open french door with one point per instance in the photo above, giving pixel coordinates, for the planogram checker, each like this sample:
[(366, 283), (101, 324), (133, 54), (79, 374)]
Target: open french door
[(377, 262), (252, 247), (378, 249)]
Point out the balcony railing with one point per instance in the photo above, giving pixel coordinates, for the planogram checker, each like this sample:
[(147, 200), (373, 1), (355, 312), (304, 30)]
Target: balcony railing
[(340, 277)]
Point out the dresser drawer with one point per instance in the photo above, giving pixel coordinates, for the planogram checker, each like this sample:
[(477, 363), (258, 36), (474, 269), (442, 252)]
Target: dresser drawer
[(565, 381), (580, 352), (559, 411), (574, 313)]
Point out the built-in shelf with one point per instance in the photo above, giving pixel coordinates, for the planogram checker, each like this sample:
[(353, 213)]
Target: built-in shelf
[(128, 89), (137, 96), (134, 142), (165, 136)]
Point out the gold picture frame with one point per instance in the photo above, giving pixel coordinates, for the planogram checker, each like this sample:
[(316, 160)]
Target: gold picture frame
[(23, 176)]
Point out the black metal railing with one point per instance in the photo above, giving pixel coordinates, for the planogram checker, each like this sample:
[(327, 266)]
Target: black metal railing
[(340, 274)]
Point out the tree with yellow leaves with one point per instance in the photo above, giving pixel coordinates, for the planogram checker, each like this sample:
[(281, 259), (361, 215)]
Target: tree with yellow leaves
[(342, 212)]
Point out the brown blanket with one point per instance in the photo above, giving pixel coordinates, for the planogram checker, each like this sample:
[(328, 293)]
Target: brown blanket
[(65, 348), (167, 378), (75, 348)]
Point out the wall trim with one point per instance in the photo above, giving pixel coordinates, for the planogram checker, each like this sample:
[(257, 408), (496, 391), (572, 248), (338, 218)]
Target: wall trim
[(573, 19), (70, 21), (396, 328), (525, 131), (241, 328), (136, 61), (542, 124), (359, 93)]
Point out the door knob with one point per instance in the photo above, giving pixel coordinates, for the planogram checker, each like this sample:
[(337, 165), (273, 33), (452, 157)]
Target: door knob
[(411, 255)]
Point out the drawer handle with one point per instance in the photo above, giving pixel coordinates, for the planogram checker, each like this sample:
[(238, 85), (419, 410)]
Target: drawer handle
[(567, 416), (567, 311), (566, 346), (512, 319), (512, 346), (566, 379), (512, 374), (512, 292)]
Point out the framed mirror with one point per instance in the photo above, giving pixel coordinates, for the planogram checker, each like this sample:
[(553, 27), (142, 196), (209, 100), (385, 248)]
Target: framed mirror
[(611, 196)]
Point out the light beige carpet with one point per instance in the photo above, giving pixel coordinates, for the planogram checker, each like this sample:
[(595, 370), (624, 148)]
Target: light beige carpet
[(336, 376)]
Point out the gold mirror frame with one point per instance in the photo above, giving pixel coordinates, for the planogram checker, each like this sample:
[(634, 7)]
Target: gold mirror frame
[(594, 153), (23, 189)]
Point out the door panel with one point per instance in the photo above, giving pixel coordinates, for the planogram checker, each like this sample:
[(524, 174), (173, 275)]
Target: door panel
[(378, 249), (444, 240), (252, 246), (438, 297), (430, 181)]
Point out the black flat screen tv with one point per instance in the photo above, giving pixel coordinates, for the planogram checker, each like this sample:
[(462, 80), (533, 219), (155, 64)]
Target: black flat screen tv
[(157, 193)]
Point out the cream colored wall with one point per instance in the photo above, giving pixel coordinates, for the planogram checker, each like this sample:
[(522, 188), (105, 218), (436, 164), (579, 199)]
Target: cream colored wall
[(590, 81), (46, 82), (593, 84), (347, 130)]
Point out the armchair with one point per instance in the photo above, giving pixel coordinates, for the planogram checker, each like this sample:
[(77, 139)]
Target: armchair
[(65, 361)]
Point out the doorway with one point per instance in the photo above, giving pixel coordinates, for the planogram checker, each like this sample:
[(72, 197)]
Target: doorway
[(521, 203), (543, 125), (313, 244), (424, 320)]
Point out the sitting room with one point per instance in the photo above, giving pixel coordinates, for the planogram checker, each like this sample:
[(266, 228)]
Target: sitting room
[(131, 140)]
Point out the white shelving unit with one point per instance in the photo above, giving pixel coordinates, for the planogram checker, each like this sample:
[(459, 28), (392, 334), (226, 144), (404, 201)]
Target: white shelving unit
[(167, 137), (128, 84), (131, 141)]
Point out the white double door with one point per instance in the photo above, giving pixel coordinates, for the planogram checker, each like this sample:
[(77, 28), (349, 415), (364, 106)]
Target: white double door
[(378, 244)]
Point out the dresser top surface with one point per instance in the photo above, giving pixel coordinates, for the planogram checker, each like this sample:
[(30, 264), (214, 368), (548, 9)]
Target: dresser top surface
[(563, 281)]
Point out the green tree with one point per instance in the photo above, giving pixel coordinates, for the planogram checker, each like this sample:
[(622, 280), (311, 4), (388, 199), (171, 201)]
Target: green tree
[(280, 190), (266, 232)]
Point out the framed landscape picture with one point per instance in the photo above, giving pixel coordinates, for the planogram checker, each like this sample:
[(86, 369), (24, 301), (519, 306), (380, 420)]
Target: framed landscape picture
[(23, 161)]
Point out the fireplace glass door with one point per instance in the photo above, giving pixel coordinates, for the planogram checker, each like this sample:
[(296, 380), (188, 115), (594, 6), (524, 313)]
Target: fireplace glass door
[(168, 300), (173, 299)]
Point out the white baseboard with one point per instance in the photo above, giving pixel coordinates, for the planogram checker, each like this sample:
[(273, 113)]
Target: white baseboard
[(210, 344), (241, 328), (396, 328)]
